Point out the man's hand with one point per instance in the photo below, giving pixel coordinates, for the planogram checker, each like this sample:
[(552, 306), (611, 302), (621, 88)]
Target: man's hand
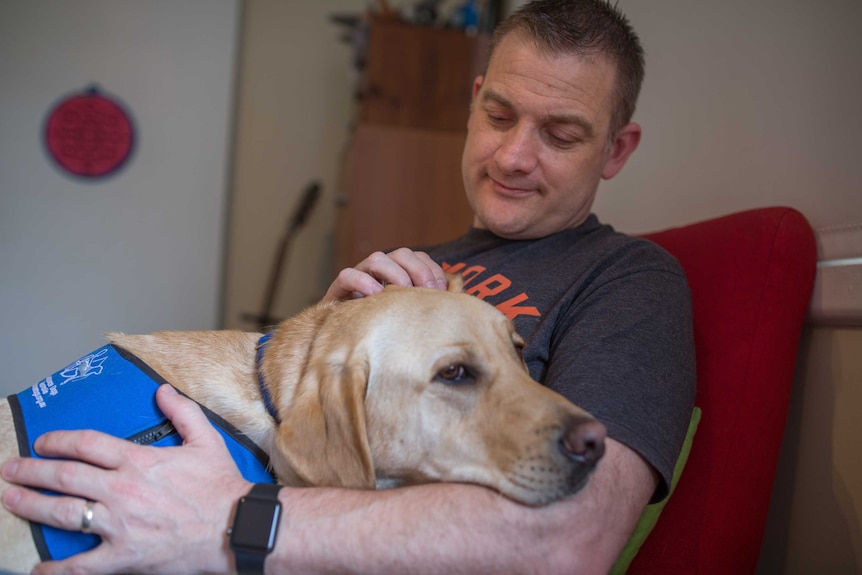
[(158, 510), (402, 267)]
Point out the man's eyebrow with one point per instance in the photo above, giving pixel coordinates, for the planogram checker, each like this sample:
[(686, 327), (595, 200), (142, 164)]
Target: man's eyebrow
[(492, 96), (571, 119)]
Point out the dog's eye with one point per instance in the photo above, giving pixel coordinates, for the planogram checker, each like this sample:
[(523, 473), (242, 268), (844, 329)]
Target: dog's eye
[(455, 373)]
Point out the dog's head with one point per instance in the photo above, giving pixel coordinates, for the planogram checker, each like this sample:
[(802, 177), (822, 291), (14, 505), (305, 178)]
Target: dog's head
[(414, 385)]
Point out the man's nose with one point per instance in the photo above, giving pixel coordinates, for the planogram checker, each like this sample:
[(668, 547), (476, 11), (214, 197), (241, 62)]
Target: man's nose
[(518, 150)]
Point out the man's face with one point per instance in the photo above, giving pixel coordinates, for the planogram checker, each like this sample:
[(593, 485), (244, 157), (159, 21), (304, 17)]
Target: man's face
[(538, 140)]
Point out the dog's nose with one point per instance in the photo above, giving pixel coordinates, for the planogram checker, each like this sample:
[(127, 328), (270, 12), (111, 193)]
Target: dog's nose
[(584, 441)]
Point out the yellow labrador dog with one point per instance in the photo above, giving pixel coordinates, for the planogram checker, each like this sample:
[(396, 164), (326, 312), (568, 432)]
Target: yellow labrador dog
[(408, 386)]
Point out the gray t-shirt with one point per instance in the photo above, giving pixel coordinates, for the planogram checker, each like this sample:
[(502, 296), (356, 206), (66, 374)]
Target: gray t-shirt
[(607, 320)]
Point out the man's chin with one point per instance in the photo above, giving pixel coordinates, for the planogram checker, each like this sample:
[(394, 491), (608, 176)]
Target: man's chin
[(508, 219), (505, 228)]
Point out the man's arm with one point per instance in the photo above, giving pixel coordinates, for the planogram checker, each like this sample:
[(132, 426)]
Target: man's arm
[(165, 510), (452, 528)]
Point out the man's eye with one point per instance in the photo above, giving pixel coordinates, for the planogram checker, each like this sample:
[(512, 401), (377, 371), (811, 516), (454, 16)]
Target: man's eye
[(455, 373), (562, 141), (498, 119)]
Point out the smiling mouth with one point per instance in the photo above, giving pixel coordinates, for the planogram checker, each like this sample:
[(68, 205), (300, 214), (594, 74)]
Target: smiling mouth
[(509, 191)]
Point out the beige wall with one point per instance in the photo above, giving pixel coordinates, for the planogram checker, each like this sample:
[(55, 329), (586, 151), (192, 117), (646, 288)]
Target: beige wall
[(746, 104), (138, 250), (294, 107)]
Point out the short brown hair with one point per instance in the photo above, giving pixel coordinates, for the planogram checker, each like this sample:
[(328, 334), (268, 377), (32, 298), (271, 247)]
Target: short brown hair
[(584, 28)]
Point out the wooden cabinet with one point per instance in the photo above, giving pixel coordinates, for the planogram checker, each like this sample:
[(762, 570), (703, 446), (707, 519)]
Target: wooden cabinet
[(419, 77), (402, 181), (405, 189)]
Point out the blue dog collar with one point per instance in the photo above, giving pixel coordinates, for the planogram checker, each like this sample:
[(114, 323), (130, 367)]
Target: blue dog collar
[(264, 390)]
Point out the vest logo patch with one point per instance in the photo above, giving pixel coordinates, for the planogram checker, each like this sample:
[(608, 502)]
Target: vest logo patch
[(81, 369)]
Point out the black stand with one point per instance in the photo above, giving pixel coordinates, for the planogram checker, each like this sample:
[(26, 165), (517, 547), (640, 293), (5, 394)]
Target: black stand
[(265, 319)]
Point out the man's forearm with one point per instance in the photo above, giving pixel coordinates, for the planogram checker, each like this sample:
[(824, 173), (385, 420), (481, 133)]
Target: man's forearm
[(427, 528), (450, 528)]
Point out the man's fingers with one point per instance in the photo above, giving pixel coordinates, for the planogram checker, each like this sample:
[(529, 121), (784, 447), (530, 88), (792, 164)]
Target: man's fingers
[(387, 269), (421, 270), (70, 513), (350, 283), (402, 267), (71, 477), (186, 415), (94, 447)]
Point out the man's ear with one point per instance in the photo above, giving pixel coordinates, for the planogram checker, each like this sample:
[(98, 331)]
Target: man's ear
[(477, 83), (624, 144)]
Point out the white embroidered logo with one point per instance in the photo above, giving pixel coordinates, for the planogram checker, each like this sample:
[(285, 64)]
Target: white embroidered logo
[(84, 367), (81, 369)]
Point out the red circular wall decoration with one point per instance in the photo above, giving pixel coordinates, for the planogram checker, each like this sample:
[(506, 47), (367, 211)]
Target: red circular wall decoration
[(89, 134)]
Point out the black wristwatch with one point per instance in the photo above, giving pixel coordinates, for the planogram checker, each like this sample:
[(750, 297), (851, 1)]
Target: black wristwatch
[(255, 525)]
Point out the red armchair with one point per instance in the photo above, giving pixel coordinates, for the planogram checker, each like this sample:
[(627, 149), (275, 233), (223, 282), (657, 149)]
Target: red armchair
[(751, 275)]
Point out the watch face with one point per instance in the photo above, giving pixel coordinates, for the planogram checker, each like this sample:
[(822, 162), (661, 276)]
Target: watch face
[(255, 524)]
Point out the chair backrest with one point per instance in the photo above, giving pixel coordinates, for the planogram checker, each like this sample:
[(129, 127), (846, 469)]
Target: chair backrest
[(751, 274)]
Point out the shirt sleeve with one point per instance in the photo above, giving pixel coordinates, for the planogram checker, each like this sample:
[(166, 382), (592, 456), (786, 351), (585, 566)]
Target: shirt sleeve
[(624, 351)]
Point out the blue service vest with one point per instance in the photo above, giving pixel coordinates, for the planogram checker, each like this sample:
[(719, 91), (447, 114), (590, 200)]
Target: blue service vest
[(113, 391)]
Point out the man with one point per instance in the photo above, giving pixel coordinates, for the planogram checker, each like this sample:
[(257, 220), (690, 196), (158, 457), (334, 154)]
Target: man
[(607, 323)]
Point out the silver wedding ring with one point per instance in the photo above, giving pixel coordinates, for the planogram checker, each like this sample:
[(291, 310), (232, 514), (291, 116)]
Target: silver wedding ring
[(87, 517)]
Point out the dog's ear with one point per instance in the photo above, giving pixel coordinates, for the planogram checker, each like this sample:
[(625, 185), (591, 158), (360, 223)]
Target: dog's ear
[(322, 435), (456, 282)]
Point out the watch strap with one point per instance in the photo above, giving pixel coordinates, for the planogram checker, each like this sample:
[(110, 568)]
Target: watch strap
[(265, 491), (250, 561)]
